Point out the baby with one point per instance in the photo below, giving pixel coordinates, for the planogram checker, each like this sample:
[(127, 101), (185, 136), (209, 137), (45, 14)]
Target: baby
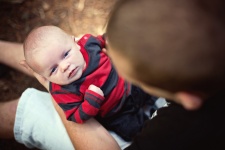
[(84, 82)]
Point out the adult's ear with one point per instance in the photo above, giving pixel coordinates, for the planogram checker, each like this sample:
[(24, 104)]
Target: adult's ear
[(189, 100)]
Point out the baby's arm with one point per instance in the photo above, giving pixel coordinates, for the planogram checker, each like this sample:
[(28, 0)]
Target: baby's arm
[(89, 108), (102, 39)]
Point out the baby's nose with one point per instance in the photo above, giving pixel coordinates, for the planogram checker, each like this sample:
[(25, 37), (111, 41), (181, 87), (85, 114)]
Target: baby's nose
[(64, 67)]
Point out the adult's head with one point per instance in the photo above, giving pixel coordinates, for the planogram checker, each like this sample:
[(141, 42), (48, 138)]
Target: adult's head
[(173, 49), (54, 54)]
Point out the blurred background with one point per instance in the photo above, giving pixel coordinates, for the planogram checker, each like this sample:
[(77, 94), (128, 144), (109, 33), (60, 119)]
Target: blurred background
[(19, 17)]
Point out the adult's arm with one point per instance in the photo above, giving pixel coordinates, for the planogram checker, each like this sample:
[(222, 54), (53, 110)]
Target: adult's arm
[(87, 136), (11, 53), (90, 135)]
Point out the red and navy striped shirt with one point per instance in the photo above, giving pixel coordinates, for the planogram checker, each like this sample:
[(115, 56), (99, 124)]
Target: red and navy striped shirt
[(79, 103)]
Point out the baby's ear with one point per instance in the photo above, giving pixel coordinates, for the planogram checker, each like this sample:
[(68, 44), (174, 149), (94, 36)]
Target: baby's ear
[(25, 65), (189, 100), (40, 78), (73, 38)]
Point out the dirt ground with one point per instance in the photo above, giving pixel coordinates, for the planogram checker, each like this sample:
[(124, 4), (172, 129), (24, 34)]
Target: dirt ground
[(74, 16)]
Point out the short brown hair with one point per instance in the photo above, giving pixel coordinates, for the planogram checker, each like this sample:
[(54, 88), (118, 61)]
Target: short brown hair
[(174, 45)]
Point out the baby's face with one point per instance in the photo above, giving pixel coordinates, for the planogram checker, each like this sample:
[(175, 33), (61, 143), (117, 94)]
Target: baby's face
[(60, 63)]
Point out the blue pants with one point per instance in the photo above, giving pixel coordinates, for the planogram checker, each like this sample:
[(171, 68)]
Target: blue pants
[(130, 119)]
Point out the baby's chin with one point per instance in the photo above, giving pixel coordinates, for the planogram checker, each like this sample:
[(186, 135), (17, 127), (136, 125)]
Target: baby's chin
[(65, 82)]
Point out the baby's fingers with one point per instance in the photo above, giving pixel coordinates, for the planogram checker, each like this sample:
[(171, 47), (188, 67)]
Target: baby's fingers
[(95, 89)]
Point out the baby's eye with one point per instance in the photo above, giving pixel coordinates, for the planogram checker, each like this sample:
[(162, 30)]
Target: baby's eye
[(67, 53), (53, 70)]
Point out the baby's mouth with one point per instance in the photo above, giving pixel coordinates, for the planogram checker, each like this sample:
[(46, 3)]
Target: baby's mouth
[(72, 73)]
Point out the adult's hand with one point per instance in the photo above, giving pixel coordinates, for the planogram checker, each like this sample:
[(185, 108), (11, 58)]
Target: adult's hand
[(40, 78)]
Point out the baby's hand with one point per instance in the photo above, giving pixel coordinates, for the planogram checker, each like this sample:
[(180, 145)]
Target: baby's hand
[(104, 50), (95, 89)]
